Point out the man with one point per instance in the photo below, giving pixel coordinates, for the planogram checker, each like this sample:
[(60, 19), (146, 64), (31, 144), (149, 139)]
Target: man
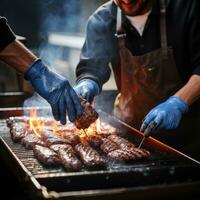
[(154, 50), (51, 86)]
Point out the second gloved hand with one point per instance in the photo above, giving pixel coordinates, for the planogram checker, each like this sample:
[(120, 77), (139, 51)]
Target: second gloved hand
[(166, 115), (88, 89), (56, 90)]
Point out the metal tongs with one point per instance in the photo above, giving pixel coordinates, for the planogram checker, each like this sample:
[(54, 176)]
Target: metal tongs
[(147, 132)]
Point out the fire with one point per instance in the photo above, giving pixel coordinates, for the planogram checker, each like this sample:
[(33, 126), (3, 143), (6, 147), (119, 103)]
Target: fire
[(35, 125)]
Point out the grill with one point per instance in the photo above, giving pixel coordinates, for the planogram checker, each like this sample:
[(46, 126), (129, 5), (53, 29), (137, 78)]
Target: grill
[(165, 168)]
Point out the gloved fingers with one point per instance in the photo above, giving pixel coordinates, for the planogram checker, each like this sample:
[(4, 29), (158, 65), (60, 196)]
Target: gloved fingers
[(149, 117), (89, 97), (159, 119), (70, 107), (154, 125), (76, 102), (55, 111), (62, 111), (150, 128), (85, 93)]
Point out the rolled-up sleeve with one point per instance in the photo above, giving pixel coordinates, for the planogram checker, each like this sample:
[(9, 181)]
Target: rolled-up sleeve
[(6, 34), (96, 53)]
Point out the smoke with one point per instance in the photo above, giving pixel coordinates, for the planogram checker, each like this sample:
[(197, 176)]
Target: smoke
[(60, 16)]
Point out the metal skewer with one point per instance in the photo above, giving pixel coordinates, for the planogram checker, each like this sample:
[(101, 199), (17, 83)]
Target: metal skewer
[(141, 142)]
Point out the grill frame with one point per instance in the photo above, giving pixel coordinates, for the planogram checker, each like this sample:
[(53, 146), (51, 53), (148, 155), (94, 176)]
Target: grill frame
[(38, 186)]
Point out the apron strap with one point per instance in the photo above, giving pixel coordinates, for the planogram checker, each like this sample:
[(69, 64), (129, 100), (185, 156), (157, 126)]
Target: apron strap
[(119, 32), (163, 31)]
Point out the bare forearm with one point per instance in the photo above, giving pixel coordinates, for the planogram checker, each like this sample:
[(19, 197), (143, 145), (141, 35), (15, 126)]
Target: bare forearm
[(191, 91), (17, 56)]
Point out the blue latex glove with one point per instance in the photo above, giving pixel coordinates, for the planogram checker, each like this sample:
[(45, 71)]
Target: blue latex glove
[(56, 90), (88, 89), (166, 115)]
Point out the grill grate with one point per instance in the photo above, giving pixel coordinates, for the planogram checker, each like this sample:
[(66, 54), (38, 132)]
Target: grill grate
[(161, 168)]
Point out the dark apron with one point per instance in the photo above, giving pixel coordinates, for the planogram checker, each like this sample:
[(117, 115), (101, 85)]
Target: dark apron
[(147, 80)]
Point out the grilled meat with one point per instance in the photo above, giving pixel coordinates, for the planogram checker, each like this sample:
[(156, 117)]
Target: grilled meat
[(89, 156), (88, 116), (121, 142), (12, 120), (46, 155), (30, 140), (94, 140), (108, 146), (128, 147), (121, 155), (56, 140), (47, 134), (57, 147), (72, 138), (68, 158), (18, 131), (142, 152)]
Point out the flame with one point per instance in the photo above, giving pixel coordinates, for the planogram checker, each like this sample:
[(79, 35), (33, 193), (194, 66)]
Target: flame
[(35, 125), (54, 127), (98, 126)]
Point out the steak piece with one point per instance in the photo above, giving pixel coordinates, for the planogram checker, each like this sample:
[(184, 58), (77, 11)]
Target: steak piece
[(142, 152), (94, 140), (89, 156), (127, 146), (121, 142), (121, 155), (47, 134), (68, 158), (88, 116), (12, 120), (108, 146), (71, 137), (56, 140), (45, 155), (68, 128), (18, 131), (57, 147), (30, 140)]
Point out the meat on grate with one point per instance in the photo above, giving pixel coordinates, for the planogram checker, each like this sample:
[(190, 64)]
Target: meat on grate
[(88, 116), (18, 131), (89, 156), (94, 140), (45, 155), (30, 140), (108, 146)]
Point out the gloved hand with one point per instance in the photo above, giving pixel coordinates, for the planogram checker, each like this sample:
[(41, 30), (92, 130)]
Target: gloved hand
[(56, 90), (166, 115), (88, 89)]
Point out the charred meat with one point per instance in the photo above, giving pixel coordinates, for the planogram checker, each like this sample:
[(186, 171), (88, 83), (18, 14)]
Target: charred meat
[(89, 156), (121, 155), (121, 142), (47, 134), (45, 155), (68, 158), (88, 116), (108, 146), (12, 120), (94, 140), (72, 138), (18, 131), (56, 140), (30, 140)]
